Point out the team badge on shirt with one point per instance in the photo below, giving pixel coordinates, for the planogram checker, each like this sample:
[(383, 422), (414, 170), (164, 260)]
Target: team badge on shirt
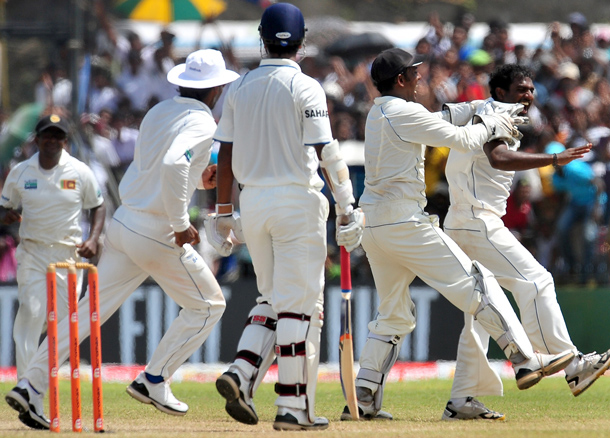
[(68, 184), (31, 184)]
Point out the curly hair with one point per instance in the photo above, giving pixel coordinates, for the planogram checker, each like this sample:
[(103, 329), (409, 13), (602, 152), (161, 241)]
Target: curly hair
[(505, 75)]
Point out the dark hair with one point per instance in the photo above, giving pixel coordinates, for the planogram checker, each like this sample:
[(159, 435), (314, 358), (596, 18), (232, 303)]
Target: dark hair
[(505, 75), (387, 84), (195, 93)]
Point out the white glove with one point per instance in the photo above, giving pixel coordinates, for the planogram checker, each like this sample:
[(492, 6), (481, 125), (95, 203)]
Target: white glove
[(499, 126), (462, 113), (513, 110), (349, 229), (218, 231)]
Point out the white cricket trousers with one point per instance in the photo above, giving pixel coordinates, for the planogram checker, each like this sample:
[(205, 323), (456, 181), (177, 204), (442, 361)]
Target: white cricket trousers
[(285, 228), (30, 321), (127, 260), (483, 236), (401, 243)]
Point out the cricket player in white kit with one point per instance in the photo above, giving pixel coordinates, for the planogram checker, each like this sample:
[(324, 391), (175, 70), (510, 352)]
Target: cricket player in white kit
[(479, 186), (151, 235), (52, 188), (402, 241), (273, 129)]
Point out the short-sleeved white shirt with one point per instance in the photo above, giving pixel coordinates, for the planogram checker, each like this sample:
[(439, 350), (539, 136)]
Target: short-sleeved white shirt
[(472, 180), (271, 115), (52, 200)]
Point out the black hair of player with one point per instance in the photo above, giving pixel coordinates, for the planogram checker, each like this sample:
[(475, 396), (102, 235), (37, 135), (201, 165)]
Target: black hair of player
[(195, 93), (504, 75)]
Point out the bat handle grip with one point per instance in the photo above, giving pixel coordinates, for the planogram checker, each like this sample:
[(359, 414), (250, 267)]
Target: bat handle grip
[(346, 272)]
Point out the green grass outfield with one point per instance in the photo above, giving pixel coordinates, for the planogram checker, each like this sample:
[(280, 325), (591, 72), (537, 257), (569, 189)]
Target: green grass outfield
[(546, 410)]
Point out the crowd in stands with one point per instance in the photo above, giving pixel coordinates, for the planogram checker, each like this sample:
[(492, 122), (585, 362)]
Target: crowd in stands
[(564, 223)]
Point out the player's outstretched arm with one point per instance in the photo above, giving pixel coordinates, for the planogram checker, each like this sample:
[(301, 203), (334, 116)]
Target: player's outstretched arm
[(502, 158)]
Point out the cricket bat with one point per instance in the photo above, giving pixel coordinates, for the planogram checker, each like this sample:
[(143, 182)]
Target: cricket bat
[(346, 345)]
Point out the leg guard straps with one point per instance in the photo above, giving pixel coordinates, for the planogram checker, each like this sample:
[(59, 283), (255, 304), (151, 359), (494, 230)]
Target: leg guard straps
[(290, 390)]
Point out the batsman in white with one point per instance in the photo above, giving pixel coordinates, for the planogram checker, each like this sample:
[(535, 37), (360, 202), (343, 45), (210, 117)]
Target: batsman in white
[(52, 188), (402, 241), (479, 186), (151, 235), (273, 130)]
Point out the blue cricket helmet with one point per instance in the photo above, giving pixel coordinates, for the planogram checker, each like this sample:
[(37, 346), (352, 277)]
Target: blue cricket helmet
[(282, 24)]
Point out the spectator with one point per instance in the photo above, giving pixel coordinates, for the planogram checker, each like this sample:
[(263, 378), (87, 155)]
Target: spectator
[(582, 188)]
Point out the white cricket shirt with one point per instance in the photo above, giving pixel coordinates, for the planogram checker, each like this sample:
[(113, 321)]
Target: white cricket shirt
[(52, 200), (172, 150), (394, 146), (271, 115), (472, 180)]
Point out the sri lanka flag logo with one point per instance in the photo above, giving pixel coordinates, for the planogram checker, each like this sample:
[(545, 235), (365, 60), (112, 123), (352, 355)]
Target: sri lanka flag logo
[(68, 184)]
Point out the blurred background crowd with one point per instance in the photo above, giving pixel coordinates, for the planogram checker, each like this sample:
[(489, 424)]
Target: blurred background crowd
[(564, 223)]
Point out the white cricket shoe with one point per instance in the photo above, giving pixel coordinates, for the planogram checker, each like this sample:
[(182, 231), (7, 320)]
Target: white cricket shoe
[(472, 409), (28, 402), (297, 419), (531, 371), (239, 405), (158, 394), (585, 370), (366, 407)]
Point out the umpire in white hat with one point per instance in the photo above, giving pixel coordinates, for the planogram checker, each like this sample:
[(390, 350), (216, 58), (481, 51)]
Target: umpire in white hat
[(150, 235)]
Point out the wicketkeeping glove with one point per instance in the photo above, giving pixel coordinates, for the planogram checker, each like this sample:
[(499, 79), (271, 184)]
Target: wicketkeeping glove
[(499, 126), (349, 229), (513, 110), (218, 231)]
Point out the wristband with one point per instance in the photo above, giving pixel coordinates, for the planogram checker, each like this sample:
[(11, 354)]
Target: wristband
[(555, 161), (224, 209)]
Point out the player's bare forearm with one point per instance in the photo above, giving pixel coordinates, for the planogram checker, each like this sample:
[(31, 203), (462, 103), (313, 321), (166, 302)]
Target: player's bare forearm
[(89, 247), (224, 174), (502, 158)]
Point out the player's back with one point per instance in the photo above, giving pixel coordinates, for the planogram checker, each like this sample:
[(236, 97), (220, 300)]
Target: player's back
[(269, 107)]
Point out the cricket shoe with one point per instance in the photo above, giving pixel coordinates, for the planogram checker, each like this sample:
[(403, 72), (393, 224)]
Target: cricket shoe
[(158, 394), (531, 371), (28, 402), (366, 407), (240, 409), (471, 410), (297, 419), (585, 370)]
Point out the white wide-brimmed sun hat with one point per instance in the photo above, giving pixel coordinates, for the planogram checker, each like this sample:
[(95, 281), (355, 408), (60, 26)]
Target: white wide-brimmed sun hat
[(203, 69)]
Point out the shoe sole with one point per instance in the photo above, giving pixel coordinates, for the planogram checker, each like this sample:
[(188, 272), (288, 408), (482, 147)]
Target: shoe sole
[(582, 387), (283, 425), (448, 418), (534, 377), (149, 401), (26, 416), (237, 408), (17, 402)]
